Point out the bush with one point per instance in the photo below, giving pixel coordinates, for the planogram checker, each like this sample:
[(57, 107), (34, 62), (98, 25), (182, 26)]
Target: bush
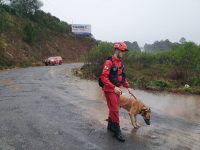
[(183, 59), (8, 9), (98, 54), (160, 83), (46, 20), (96, 57), (26, 7), (188, 89), (157, 70), (6, 62), (62, 27), (141, 83), (195, 81), (4, 21), (33, 33), (29, 33), (25, 64)]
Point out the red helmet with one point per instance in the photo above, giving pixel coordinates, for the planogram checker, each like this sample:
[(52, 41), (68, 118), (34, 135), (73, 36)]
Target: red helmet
[(120, 46)]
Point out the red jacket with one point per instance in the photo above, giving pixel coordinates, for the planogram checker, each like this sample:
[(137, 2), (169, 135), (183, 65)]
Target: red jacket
[(108, 86)]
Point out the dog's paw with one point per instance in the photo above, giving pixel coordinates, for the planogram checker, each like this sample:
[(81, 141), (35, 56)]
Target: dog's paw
[(136, 127)]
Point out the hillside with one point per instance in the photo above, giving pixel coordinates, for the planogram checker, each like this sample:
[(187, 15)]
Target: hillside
[(27, 39)]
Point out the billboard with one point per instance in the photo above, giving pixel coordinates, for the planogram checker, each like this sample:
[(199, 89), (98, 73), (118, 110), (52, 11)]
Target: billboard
[(84, 29)]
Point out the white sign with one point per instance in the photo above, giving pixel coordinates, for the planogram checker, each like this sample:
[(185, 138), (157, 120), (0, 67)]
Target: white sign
[(81, 28)]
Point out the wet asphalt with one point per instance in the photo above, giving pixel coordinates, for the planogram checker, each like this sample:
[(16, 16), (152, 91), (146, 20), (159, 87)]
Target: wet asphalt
[(47, 108)]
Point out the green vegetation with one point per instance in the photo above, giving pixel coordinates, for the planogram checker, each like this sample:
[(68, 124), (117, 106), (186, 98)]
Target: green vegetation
[(5, 62), (33, 20), (132, 46), (29, 33), (46, 20), (25, 7), (4, 19), (23, 20), (158, 46), (168, 70)]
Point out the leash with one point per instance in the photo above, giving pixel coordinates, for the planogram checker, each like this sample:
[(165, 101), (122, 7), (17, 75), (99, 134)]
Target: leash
[(136, 100), (132, 95)]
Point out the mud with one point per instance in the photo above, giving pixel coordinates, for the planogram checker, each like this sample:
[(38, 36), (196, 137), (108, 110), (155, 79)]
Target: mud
[(49, 108)]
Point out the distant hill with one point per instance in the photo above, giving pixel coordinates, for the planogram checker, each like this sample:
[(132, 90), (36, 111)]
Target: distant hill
[(133, 46), (27, 38), (158, 46)]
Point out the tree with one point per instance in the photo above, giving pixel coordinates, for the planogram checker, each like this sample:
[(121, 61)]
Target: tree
[(1, 2), (4, 20), (182, 40), (133, 46), (26, 6), (159, 46)]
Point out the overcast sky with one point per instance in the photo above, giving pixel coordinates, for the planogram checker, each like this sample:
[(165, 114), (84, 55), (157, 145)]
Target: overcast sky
[(144, 21)]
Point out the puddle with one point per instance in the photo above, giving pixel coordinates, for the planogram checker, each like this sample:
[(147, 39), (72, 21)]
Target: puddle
[(183, 106)]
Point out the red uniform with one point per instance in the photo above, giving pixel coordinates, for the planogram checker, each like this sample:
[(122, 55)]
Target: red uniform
[(108, 88)]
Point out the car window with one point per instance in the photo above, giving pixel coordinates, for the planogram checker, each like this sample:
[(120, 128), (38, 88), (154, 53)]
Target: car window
[(51, 58)]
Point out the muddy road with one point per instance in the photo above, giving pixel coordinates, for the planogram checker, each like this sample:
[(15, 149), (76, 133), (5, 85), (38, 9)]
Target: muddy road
[(47, 108)]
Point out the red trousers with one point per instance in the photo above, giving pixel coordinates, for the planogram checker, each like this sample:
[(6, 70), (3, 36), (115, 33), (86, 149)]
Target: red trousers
[(113, 106)]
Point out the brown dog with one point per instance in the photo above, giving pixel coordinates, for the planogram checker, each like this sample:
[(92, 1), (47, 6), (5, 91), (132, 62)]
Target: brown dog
[(135, 107)]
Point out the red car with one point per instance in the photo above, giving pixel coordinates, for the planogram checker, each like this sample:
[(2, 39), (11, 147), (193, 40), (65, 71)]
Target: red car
[(53, 60)]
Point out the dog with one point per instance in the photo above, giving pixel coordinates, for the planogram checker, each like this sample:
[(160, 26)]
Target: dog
[(135, 107)]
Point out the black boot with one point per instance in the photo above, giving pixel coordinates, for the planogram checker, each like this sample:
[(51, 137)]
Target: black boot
[(118, 133), (110, 125)]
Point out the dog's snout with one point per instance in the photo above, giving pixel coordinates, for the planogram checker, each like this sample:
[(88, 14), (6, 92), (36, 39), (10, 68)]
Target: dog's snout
[(147, 121)]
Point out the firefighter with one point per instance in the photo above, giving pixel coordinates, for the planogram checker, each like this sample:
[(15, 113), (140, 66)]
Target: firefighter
[(112, 77)]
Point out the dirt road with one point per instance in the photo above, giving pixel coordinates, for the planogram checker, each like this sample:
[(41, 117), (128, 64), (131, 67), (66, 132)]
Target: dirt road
[(47, 108)]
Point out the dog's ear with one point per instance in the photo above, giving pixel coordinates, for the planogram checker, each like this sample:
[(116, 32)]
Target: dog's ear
[(147, 109), (144, 108)]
